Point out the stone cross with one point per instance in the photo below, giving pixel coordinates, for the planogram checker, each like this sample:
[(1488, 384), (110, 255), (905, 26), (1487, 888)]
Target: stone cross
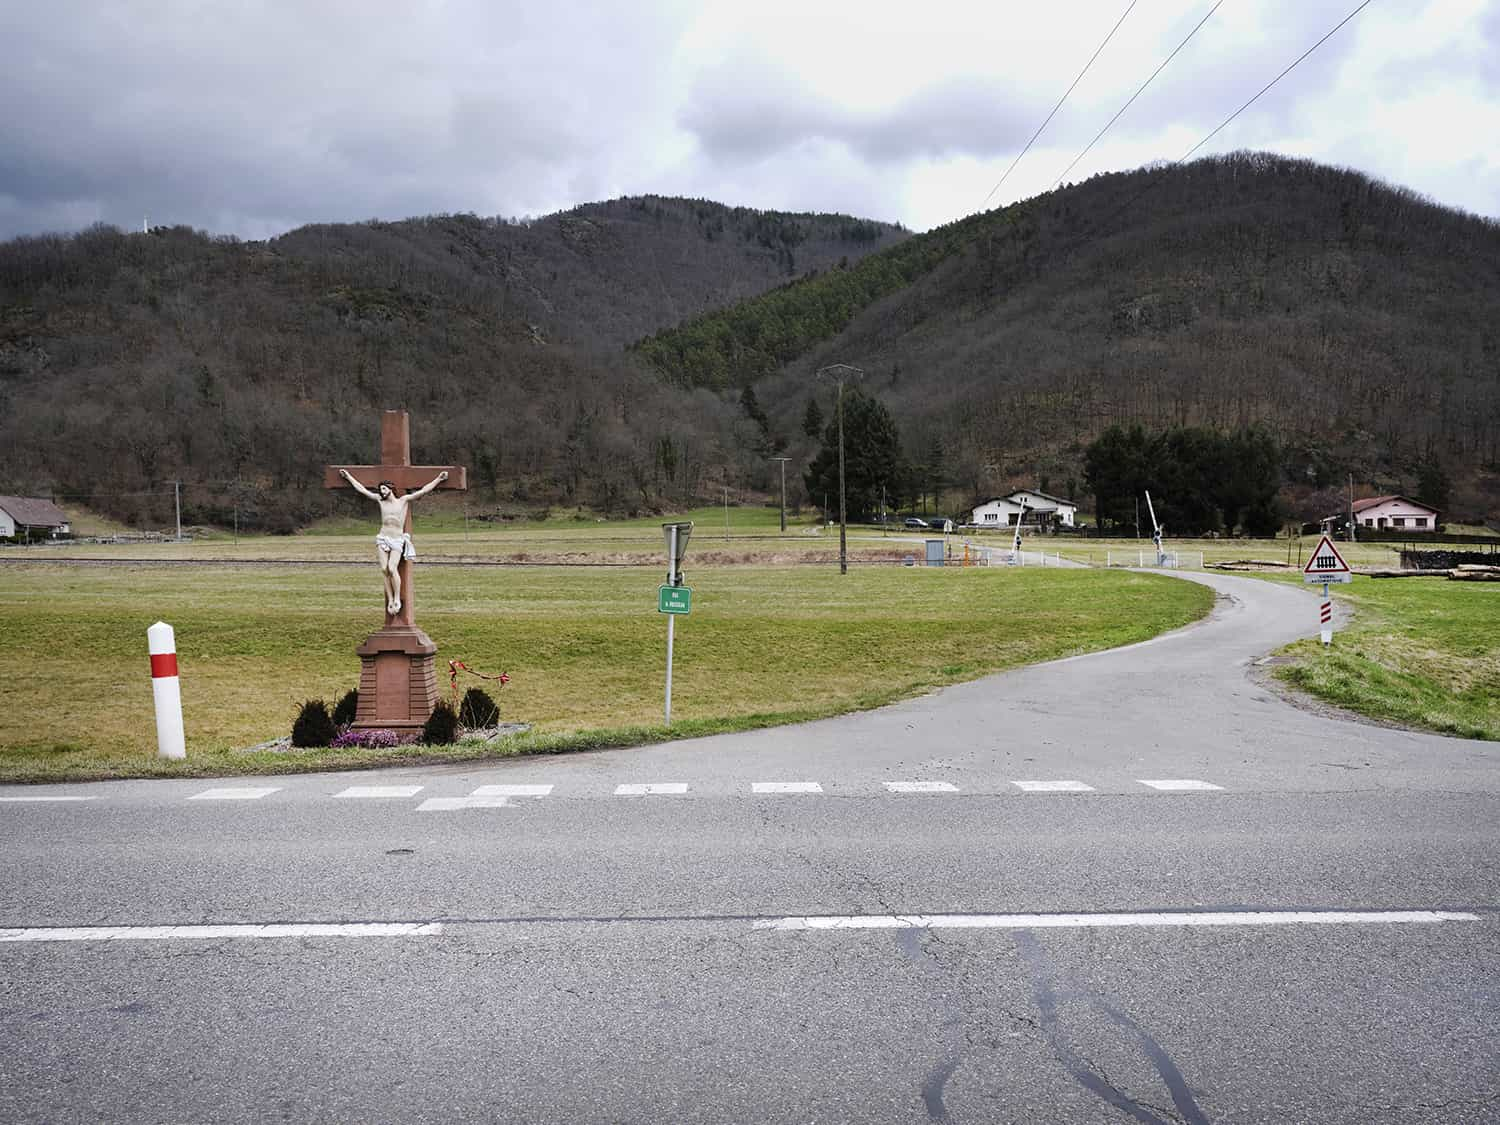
[(397, 681)]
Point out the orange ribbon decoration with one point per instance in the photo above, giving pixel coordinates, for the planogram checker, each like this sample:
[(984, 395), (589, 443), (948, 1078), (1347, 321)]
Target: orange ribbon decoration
[(457, 666)]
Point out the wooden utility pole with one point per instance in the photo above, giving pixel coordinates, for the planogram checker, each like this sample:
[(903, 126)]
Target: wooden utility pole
[(783, 461), (841, 373)]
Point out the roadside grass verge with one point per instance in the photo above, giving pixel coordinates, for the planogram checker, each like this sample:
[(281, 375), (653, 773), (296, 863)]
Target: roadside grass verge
[(585, 650), (1424, 652)]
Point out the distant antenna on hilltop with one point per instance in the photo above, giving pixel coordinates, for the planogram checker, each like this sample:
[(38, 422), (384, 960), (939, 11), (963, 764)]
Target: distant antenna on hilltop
[(145, 224)]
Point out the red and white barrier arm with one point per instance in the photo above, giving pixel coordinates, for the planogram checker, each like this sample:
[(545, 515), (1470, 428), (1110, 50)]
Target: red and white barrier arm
[(161, 643)]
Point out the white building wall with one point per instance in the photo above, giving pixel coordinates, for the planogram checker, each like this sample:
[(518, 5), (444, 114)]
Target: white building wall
[(7, 525), (1385, 516), (995, 513), (1065, 512)]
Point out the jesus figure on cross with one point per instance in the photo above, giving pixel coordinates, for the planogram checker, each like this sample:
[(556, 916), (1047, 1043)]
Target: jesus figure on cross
[(393, 543)]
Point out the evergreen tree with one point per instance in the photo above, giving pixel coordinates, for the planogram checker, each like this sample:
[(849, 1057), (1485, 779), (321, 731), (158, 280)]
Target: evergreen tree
[(812, 419), (872, 457), (1433, 485), (751, 406)]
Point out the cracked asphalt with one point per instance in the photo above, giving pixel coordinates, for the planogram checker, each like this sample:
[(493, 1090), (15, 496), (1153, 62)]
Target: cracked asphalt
[(599, 959)]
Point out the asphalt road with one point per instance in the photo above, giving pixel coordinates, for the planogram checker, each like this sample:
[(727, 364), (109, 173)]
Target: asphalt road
[(1134, 886)]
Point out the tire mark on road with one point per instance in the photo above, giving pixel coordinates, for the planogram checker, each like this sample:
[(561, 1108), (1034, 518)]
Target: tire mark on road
[(1086, 1074)]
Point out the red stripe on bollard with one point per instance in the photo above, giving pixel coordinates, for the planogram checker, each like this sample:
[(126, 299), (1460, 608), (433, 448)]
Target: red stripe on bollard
[(163, 664)]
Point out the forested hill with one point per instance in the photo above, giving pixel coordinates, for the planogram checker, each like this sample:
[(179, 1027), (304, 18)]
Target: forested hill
[(128, 361), (1355, 321), (603, 273)]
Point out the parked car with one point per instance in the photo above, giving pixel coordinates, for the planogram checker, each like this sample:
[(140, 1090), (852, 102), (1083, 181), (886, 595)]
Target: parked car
[(913, 521)]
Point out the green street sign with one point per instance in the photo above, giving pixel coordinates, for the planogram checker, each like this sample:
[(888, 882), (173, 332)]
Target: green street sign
[(674, 599)]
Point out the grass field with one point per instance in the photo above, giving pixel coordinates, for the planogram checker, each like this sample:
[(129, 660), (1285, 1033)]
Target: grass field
[(584, 646), (1423, 652), (751, 535)]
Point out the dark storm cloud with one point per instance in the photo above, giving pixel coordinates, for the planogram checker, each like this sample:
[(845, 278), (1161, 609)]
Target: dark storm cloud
[(749, 111), (252, 117)]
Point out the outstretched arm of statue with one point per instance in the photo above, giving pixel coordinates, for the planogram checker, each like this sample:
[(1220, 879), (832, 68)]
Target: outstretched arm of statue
[(429, 486), (359, 488)]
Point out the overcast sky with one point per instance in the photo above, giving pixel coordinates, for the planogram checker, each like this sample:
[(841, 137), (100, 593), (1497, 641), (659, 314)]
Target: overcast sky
[(254, 116)]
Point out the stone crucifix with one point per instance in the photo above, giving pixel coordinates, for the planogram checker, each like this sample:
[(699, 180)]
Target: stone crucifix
[(394, 551), (397, 681)]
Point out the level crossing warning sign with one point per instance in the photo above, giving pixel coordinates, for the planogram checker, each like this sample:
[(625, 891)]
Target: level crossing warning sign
[(1326, 564)]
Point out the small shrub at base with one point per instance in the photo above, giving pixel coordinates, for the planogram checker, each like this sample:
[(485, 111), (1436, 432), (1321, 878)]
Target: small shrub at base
[(346, 708), (441, 727), (478, 710), (367, 739), (313, 726)]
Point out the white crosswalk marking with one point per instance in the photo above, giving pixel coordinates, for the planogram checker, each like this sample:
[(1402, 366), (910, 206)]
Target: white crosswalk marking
[(1173, 784), (449, 804), (240, 793), (1053, 786), (36, 799), (785, 787), (512, 791), (920, 787), (651, 789), (375, 792)]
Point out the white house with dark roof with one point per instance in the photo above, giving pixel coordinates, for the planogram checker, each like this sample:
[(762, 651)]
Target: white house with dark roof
[(1392, 513), (1040, 508), (20, 515)]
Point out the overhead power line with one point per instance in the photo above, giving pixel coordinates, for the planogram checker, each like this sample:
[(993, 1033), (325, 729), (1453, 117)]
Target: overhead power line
[(1138, 93), (1059, 104), (1162, 173), (1273, 81)]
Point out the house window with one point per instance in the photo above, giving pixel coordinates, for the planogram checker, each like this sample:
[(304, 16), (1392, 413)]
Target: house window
[(991, 517), (1420, 521), (1369, 523), (1398, 521)]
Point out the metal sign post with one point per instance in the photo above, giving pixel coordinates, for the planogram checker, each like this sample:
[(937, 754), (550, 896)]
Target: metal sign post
[(674, 598), (1326, 565)]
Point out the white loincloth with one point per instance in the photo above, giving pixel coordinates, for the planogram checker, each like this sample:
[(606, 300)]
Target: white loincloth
[(400, 543)]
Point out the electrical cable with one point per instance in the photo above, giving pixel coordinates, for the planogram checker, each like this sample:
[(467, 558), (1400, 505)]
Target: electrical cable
[(1273, 81), (1059, 104), (1138, 93), (1161, 174)]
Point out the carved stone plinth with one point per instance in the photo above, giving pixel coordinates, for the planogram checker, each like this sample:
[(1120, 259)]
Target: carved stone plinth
[(397, 682)]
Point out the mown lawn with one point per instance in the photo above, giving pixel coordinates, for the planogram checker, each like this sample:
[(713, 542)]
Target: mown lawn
[(1421, 651), (585, 649)]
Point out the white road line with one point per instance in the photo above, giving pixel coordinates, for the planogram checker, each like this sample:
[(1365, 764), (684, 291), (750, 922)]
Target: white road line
[(449, 804), (512, 791), (33, 799), (920, 787), (278, 930), (1101, 921), (651, 789), (785, 787), (235, 794), (1053, 786), (374, 792), (1179, 783)]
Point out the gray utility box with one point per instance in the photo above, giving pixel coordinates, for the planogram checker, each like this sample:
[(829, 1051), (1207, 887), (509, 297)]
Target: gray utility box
[(936, 552)]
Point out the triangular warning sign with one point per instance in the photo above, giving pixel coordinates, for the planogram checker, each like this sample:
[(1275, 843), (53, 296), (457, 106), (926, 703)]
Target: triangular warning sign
[(1326, 559)]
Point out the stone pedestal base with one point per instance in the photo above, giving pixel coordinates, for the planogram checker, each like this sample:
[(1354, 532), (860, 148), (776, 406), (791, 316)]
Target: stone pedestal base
[(397, 683)]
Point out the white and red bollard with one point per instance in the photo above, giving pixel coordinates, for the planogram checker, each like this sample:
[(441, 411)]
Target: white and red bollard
[(1325, 618), (161, 642)]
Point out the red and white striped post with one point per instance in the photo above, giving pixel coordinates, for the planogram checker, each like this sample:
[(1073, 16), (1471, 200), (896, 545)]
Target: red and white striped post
[(161, 643), (1325, 617)]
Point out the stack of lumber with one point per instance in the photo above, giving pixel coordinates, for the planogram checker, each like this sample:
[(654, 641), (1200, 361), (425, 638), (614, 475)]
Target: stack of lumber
[(1472, 573)]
